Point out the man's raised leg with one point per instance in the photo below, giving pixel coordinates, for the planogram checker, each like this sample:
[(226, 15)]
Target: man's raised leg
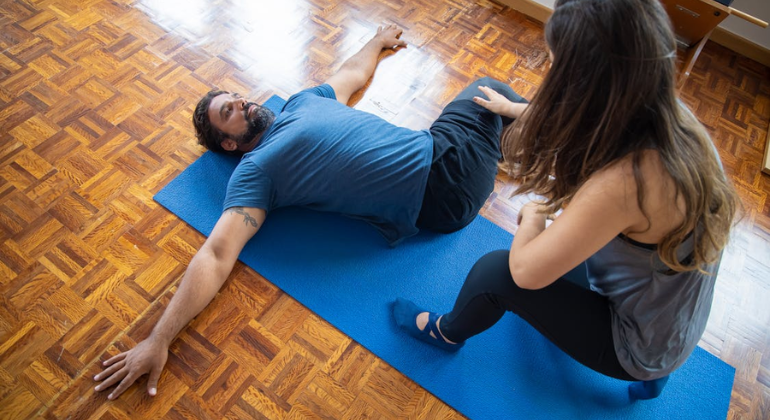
[(466, 149)]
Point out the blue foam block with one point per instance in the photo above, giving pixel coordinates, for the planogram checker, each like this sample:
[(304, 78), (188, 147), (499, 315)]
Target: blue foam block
[(345, 272)]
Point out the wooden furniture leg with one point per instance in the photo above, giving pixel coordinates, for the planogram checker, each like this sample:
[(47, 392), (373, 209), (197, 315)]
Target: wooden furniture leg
[(689, 61)]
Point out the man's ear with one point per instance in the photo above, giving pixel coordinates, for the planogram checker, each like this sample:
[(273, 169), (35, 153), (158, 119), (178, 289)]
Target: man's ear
[(229, 144)]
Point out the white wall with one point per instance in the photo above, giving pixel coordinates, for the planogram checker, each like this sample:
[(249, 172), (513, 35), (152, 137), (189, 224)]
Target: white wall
[(758, 8)]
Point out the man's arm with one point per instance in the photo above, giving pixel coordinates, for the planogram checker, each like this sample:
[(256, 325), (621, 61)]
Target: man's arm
[(356, 70), (205, 275)]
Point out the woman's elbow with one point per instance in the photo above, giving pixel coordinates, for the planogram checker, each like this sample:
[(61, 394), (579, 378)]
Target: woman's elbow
[(522, 278)]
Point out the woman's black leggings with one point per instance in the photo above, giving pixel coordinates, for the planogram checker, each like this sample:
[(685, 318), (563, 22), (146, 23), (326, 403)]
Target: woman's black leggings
[(567, 312)]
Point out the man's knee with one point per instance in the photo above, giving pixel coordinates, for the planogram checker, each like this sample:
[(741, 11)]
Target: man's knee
[(473, 89), (495, 84), (503, 89)]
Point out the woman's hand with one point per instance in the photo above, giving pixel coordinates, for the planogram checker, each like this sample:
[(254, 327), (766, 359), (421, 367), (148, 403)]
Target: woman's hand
[(535, 211), (499, 104)]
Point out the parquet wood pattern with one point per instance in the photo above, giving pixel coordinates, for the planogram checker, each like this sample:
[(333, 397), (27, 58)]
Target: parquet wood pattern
[(95, 104)]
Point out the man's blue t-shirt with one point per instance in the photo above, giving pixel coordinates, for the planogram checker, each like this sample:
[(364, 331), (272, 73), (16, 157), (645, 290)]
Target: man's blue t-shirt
[(326, 156)]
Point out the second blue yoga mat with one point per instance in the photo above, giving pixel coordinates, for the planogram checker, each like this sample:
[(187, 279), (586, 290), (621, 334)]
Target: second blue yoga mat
[(345, 272)]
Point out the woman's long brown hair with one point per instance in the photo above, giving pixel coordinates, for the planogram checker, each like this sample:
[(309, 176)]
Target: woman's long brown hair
[(610, 93)]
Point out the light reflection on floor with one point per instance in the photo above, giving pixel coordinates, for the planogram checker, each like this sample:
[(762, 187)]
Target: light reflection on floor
[(271, 43)]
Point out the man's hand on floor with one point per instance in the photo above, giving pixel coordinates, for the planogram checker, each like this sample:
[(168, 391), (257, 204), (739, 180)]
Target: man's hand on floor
[(149, 356), (390, 37)]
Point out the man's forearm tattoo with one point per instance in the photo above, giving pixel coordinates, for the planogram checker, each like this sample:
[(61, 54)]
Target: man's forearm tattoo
[(247, 219)]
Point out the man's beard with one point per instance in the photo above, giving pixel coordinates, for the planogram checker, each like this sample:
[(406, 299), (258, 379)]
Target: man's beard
[(262, 119)]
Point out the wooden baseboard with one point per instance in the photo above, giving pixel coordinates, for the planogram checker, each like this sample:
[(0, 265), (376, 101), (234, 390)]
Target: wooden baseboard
[(741, 45), (721, 36), (530, 8), (766, 167)]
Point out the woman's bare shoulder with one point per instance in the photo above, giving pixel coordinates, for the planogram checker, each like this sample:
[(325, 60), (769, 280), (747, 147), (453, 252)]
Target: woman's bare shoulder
[(661, 209)]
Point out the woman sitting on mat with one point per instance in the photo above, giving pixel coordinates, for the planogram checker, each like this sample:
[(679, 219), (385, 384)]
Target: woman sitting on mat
[(646, 206)]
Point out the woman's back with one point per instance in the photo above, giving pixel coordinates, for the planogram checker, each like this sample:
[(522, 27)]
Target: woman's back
[(661, 211)]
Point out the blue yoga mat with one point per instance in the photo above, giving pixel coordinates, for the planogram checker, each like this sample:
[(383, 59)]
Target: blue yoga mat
[(345, 272)]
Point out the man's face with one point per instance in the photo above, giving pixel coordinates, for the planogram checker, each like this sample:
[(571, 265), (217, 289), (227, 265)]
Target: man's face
[(240, 120)]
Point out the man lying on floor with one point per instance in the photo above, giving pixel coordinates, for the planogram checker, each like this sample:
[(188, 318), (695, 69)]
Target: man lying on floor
[(319, 153)]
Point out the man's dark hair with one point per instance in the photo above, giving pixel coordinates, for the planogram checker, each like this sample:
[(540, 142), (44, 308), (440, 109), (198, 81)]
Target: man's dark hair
[(208, 136)]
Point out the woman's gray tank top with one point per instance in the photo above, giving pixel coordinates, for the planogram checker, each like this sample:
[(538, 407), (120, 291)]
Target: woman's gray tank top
[(658, 315)]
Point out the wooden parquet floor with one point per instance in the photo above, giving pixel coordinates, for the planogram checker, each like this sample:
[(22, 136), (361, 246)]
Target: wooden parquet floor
[(95, 104)]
